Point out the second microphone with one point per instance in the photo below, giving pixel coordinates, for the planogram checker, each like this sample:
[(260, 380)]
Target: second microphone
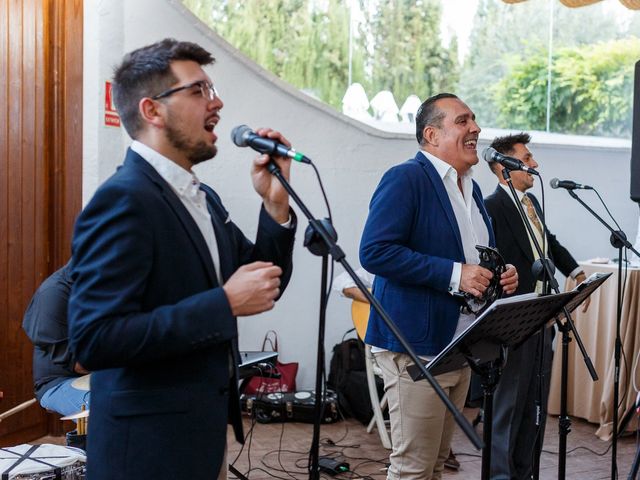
[(243, 136)]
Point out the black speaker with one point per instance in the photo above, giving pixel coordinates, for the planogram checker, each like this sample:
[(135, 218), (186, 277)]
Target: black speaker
[(635, 138)]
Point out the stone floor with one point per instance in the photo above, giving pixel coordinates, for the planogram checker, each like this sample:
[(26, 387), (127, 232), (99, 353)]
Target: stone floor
[(281, 451)]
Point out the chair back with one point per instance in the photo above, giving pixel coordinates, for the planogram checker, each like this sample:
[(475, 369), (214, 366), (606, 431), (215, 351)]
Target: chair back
[(360, 317)]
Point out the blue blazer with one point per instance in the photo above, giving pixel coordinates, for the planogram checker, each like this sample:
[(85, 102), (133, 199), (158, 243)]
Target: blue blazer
[(148, 318), (410, 242)]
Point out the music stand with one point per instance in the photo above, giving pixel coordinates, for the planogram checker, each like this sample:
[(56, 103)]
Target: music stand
[(585, 289), (484, 345)]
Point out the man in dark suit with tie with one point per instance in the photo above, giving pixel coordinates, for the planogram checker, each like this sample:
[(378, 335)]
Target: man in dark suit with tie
[(161, 273), (514, 411)]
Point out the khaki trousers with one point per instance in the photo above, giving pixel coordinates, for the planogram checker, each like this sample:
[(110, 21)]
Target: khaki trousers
[(421, 427)]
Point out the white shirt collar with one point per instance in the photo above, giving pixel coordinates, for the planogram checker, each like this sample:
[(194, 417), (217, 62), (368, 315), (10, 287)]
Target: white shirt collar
[(506, 189), (444, 169), (183, 182)]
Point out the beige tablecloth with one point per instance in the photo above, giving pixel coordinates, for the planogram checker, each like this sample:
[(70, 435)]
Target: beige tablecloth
[(590, 400)]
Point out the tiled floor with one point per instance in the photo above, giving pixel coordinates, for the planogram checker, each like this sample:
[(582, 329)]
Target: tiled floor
[(349, 441), (367, 458)]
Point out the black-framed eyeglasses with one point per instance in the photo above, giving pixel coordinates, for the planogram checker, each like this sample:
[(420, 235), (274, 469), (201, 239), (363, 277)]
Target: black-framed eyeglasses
[(207, 90)]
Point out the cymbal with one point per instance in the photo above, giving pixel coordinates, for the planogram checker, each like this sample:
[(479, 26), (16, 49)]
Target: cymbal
[(75, 416), (82, 383)]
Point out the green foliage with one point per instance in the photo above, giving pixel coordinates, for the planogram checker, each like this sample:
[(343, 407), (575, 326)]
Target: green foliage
[(592, 90), (398, 48), (408, 55), (306, 43), (294, 39), (509, 40)]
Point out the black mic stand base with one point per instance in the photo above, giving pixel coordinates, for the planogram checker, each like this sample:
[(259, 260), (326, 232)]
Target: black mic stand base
[(489, 373)]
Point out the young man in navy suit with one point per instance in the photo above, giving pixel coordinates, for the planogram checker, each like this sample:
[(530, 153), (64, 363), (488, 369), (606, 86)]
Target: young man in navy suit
[(514, 410), (425, 219), (161, 273)]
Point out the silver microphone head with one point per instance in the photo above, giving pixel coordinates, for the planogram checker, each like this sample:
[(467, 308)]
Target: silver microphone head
[(488, 154), (555, 183), (240, 135)]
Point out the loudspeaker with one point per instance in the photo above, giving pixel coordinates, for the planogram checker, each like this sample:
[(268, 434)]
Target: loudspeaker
[(635, 138)]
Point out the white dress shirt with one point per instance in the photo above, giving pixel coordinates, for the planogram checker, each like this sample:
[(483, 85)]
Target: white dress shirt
[(344, 280), (186, 186), (473, 229)]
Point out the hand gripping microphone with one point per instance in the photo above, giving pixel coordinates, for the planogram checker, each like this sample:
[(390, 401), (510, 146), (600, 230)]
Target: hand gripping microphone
[(491, 155), (243, 136), (568, 184)]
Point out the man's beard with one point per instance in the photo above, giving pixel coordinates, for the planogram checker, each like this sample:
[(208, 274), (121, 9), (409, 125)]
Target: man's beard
[(196, 152)]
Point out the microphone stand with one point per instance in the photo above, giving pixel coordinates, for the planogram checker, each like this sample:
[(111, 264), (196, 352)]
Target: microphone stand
[(565, 328), (322, 241), (618, 240)]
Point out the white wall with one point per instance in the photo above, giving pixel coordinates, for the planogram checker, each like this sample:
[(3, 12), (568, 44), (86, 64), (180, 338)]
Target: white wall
[(350, 157)]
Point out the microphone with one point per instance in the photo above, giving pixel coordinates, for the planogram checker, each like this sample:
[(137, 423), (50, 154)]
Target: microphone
[(243, 136), (491, 155), (568, 184)]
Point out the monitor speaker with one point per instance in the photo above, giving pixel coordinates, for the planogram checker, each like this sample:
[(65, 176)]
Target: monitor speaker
[(635, 138)]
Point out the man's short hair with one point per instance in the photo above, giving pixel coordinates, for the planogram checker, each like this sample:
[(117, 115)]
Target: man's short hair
[(430, 114), (146, 72), (506, 144)]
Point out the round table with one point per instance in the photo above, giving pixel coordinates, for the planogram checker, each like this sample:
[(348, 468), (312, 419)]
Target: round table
[(587, 399)]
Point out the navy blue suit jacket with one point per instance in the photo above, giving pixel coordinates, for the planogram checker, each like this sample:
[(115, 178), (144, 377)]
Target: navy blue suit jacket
[(410, 242), (148, 317)]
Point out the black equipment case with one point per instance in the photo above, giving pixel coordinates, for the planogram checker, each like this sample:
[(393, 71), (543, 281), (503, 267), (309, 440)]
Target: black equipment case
[(290, 407)]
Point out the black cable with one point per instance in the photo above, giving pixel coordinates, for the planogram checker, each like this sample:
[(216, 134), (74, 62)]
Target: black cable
[(279, 452), (599, 454), (324, 195), (263, 460), (624, 356), (607, 209), (383, 462), (545, 232), (346, 429), (249, 434), (260, 469), (623, 287)]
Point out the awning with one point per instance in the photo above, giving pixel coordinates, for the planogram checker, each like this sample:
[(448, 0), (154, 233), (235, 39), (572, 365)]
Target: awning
[(630, 4)]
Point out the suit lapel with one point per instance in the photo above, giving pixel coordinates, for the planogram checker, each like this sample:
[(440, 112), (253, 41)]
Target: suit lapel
[(477, 196), (443, 197), (184, 217), (514, 221), (218, 218)]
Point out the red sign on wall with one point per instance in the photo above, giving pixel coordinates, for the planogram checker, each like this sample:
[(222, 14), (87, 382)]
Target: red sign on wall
[(111, 117)]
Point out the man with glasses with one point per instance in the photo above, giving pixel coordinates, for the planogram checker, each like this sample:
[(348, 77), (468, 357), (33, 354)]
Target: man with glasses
[(161, 273)]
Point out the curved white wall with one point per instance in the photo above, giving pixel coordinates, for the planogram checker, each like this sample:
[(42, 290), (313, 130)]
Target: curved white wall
[(350, 156)]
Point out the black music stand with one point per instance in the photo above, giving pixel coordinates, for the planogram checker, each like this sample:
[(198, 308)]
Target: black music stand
[(585, 289), (484, 346)]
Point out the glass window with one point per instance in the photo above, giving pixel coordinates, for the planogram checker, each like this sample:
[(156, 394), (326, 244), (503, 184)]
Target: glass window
[(533, 65)]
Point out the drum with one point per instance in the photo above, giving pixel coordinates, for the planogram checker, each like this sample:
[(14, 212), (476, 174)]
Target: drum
[(42, 462)]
